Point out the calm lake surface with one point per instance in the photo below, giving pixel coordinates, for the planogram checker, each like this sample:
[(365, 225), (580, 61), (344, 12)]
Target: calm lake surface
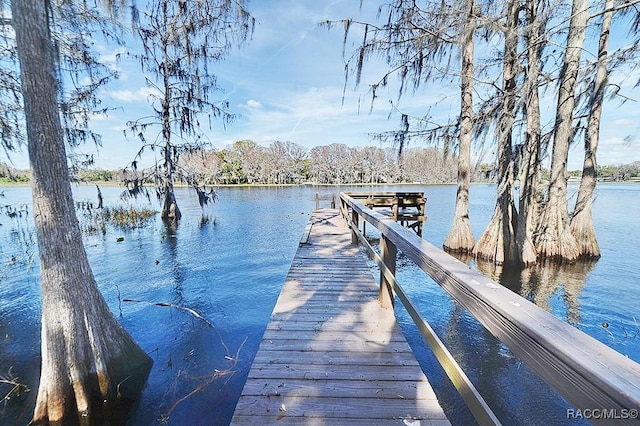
[(230, 270)]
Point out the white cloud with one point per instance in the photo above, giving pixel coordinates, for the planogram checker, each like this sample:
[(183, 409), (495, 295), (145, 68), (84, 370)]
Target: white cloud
[(253, 104), (140, 95), (112, 57), (619, 150)]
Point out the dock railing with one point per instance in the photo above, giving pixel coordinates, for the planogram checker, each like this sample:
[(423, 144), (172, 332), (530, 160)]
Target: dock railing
[(591, 376)]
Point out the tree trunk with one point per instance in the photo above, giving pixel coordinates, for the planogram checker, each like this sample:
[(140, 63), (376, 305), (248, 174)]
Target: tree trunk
[(554, 237), (529, 176), (582, 220), (170, 211), (498, 242), (86, 355), (460, 238)]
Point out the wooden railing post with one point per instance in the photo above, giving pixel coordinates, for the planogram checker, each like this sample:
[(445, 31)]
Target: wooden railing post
[(388, 253), (355, 218), (317, 201)]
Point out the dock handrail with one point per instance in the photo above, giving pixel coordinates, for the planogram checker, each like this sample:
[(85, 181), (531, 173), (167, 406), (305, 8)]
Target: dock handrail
[(587, 373)]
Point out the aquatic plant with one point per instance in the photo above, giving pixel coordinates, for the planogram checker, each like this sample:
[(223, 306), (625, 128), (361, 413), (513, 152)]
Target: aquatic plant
[(122, 217)]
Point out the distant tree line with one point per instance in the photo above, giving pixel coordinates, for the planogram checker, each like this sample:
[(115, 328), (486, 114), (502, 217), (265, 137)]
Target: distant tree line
[(618, 173), (246, 162), (10, 174)]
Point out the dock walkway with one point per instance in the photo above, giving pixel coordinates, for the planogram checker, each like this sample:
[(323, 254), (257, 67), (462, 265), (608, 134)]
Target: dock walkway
[(331, 354)]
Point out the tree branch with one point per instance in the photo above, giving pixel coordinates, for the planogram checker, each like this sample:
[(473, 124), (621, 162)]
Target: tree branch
[(615, 8)]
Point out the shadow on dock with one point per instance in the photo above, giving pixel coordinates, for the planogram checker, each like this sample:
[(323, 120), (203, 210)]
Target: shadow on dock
[(331, 354)]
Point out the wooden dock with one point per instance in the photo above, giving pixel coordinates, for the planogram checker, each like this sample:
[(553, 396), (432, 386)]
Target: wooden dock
[(408, 208), (331, 354)]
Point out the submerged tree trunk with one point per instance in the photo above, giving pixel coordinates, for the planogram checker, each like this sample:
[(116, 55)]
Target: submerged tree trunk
[(554, 237), (170, 211), (87, 357), (529, 175), (498, 242), (460, 238), (582, 220)]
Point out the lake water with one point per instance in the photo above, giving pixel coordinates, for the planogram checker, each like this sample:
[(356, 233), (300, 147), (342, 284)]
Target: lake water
[(230, 270)]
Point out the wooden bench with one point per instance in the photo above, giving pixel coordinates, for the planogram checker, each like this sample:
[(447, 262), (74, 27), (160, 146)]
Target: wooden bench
[(408, 208)]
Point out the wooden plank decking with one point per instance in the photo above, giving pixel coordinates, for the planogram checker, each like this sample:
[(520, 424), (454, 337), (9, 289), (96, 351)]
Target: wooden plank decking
[(330, 354)]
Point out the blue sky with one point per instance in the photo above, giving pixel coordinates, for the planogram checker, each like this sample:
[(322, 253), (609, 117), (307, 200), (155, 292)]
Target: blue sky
[(287, 84)]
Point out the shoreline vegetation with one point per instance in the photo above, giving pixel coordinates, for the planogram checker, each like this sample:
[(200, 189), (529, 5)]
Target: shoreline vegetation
[(355, 166), (113, 183), (285, 185)]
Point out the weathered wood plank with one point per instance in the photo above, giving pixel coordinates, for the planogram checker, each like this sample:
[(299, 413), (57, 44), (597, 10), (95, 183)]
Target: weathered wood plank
[(342, 336), (311, 316), (337, 357), (323, 318), (322, 296), (328, 324), (327, 271), (341, 389), (330, 346), (345, 409), (331, 354), (314, 372), (325, 421)]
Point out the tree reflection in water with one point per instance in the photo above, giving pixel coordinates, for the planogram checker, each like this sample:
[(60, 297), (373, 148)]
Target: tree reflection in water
[(490, 365), (542, 282)]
